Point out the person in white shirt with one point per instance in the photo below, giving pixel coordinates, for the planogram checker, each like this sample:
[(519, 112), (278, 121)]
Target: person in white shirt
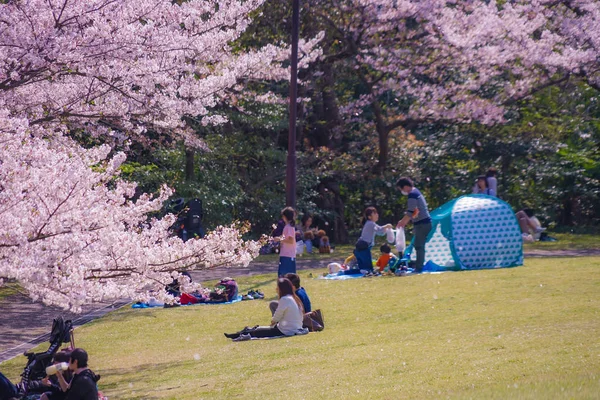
[(286, 321)]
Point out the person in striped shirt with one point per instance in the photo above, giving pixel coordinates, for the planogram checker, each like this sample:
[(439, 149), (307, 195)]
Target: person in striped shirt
[(417, 213)]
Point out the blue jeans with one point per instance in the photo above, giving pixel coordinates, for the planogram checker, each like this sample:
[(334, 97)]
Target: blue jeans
[(286, 265), (364, 259)]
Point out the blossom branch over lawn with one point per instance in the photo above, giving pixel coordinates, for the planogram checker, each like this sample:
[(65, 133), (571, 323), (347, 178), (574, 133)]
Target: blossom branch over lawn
[(71, 231)]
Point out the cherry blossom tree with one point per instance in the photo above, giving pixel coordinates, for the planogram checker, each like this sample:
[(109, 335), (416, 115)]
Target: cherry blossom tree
[(446, 62), (71, 231)]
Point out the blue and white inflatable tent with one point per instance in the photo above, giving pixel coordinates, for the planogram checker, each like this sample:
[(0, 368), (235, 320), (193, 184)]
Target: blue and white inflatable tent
[(472, 232)]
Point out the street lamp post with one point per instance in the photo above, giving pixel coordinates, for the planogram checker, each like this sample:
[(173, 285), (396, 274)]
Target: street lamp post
[(290, 180)]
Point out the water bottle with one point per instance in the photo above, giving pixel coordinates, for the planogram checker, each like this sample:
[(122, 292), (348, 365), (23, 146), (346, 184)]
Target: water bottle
[(51, 370)]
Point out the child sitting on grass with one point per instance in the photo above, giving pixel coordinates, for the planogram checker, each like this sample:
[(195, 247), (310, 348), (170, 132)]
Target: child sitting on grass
[(385, 257)]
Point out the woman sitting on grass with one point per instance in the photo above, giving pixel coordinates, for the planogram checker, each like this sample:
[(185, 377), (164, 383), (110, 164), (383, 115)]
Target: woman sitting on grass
[(287, 319)]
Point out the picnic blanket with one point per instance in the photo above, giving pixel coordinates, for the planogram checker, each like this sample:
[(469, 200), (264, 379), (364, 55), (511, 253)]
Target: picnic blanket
[(160, 304), (340, 277)]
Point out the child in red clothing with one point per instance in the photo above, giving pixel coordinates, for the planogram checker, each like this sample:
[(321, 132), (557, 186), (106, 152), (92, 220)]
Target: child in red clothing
[(386, 256)]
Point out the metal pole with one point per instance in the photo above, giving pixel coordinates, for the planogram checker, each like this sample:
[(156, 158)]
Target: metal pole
[(290, 180)]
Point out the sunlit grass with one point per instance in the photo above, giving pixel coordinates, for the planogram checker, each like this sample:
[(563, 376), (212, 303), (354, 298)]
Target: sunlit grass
[(566, 241), (526, 332), (9, 289)]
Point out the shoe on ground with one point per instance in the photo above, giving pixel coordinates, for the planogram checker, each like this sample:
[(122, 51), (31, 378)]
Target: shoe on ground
[(539, 229), (247, 297), (255, 294), (243, 337)]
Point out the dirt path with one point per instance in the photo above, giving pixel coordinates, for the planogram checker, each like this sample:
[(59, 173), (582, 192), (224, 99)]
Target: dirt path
[(24, 324)]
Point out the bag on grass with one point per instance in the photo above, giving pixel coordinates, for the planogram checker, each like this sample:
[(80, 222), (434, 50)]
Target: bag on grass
[(314, 321)]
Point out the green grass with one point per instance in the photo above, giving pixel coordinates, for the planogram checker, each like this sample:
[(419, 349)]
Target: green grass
[(529, 332), (566, 241), (8, 289)]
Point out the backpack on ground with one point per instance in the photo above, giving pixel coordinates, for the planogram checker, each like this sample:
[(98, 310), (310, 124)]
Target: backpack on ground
[(225, 290)]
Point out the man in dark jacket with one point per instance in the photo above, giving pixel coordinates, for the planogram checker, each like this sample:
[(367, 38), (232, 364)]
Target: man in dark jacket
[(83, 385)]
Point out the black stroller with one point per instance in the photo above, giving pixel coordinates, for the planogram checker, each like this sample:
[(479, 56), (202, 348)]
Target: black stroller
[(35, 370)]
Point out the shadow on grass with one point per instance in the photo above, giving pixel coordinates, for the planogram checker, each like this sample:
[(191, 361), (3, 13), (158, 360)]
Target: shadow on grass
[(128, 383), (258, 285), (124, 315)]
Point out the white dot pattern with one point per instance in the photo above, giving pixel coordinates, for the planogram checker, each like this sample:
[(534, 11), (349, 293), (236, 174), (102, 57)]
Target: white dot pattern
[(484, 233)]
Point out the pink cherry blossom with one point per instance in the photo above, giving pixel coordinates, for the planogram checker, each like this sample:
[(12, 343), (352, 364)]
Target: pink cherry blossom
[(71, 231)]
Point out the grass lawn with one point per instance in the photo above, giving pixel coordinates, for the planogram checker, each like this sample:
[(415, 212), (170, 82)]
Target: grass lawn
[(566, 241), (9, 289), (530, 332)]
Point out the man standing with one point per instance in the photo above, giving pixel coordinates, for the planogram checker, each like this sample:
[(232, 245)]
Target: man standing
[(418, 213)]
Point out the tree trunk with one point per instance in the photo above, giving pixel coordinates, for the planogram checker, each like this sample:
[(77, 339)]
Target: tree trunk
[(384, 135), (330, 200), (333, 122)]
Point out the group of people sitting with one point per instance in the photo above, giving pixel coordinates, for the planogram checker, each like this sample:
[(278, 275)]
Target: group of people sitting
[(531, 228), (307, 238), (487, 184), (288, 313), (68, 378)]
